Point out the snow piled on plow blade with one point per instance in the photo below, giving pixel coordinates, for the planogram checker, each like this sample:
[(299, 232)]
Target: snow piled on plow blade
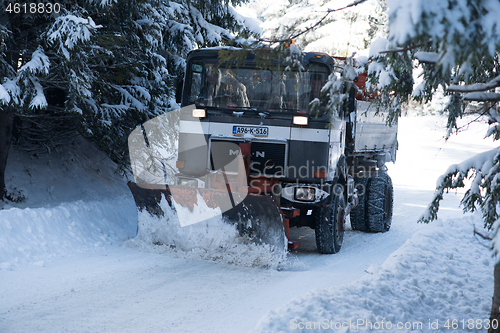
[(201, 211), (213, 239)]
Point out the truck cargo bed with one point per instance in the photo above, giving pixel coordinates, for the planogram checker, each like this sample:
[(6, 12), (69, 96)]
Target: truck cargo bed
[(371, 131)]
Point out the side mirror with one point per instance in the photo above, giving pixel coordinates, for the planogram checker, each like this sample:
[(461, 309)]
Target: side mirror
[(351, 103)]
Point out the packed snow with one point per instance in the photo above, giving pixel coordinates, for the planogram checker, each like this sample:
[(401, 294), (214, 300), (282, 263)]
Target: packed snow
[(73, 203), (34, 235), (70, 260), (428, 284)]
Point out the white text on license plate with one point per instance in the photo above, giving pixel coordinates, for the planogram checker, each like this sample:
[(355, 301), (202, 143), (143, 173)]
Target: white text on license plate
[(255, 131)]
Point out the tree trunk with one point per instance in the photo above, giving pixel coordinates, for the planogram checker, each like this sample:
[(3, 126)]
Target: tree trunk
[(6, 124), (495, 306)]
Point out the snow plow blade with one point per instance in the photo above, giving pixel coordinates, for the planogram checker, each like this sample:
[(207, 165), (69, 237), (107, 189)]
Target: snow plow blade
[(257, 218)]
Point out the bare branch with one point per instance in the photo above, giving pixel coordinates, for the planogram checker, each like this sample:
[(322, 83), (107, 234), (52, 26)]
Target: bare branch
[(306, 30), (476, 87), (484, 237), (482, 112), (481, 235), (352, 4)]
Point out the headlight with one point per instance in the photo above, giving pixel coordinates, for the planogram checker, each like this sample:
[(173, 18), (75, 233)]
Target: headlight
[(305, 193), (188, 182), (198, 113), (300, 120)]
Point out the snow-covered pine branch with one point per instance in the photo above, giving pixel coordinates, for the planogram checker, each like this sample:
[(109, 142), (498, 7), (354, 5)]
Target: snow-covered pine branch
[(457, 44), (482, 97), (427, 57), (207, 34), (473, 29), (492, 84), (381, 74), (4, 95), (68, 31), (28, 81), (39, 64), (484, 192), (337, 88), (13, 90), (112, 63), (103, 3), (38, 101)]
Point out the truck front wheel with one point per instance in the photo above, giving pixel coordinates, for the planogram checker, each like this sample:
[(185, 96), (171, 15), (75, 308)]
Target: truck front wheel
[(379, 203), (329, 226)]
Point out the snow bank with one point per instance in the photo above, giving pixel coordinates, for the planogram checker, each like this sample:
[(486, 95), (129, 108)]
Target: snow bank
[(212, 239), (34, 235), (439, 274), (74, 202), (76, 172)]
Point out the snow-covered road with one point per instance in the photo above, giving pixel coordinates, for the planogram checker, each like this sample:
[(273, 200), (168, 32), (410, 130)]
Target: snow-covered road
[(115, 288)]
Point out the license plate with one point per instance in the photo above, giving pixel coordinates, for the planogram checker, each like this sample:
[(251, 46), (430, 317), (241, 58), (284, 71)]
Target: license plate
[(255, 131)]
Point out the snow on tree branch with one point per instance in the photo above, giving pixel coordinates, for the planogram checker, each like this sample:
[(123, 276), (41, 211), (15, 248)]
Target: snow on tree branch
[(427, 57), (456, 29), (13, 90), (482, 97), (4, 95), (103, 3), (213, 34), (68, 31), (476, 87), (245, 21), (39, 101), (484, 191), (337, 88), (39, 63)]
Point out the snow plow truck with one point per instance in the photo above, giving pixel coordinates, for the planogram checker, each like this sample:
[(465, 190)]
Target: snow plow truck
[(246, 142)]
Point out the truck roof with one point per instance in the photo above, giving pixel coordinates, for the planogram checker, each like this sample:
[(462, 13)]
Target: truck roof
[(307, 57)]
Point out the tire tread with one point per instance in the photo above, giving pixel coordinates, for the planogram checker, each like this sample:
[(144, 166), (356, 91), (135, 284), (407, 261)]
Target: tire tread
[(377, 219)]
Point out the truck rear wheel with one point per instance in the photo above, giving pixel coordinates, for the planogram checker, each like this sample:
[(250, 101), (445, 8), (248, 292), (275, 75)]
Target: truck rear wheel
[(329, 226), (358, 214), (379, 203)]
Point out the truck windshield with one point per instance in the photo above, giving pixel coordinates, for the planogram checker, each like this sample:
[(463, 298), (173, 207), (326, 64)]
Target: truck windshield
[(251, 88)]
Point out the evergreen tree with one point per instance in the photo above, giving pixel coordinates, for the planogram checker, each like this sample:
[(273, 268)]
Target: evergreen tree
[(456, 45), (102, 66)]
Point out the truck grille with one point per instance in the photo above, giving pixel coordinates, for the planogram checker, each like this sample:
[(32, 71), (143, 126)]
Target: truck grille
[(266, 158)]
